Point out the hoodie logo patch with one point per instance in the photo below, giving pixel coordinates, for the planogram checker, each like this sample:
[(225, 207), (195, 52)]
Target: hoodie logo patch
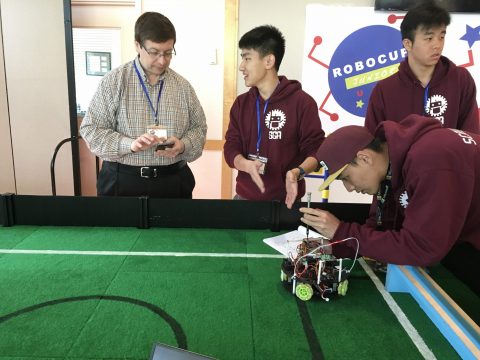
[(274, 121), (404, 199), (436, 107)]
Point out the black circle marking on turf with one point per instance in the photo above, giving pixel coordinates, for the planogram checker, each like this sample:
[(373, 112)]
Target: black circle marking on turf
[(174, 325), (315, 348)]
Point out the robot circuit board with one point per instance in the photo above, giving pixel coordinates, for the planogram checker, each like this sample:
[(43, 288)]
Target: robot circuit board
[(315, 271)]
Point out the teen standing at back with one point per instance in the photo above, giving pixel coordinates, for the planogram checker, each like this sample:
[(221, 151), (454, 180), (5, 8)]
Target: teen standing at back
[(426, 83)]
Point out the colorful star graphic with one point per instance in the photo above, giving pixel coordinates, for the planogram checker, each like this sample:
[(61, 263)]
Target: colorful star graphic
[(472, 35), (360, 104)]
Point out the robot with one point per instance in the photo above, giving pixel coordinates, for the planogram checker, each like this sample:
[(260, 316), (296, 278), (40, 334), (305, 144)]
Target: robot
[(314, 271)]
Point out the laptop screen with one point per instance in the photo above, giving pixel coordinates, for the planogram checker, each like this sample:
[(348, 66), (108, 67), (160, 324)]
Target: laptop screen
[(164, 352)]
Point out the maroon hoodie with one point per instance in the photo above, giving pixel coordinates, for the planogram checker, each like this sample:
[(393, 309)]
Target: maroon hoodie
[(435, 199), (450, 97), (290, 132)]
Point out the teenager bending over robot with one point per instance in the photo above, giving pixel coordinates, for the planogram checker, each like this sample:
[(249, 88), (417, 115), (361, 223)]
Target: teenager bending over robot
[(427, 182)]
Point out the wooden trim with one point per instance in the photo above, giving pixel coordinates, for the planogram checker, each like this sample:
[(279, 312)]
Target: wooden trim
[(454, 324), (450, 301), (434, 304), (229, 82), (216, 145)]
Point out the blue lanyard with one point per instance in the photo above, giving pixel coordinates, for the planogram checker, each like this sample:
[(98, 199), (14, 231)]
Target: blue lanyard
[(384, 187), (259, 127), (425, 100), (155, 111)]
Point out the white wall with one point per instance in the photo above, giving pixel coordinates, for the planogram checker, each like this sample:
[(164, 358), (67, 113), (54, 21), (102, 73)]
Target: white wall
[(7, 176)]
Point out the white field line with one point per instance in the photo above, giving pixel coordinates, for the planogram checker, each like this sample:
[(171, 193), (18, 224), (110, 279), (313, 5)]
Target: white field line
[(402, 318), (136, 253)]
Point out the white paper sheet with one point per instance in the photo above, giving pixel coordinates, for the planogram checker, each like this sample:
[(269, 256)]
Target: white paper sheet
[(286, 244)]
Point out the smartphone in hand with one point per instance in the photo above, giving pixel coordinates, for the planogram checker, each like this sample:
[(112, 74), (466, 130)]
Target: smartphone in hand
[(164, 146)]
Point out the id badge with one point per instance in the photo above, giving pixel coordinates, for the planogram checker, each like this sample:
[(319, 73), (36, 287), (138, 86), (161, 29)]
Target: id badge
[(263, 160), (157, 130)]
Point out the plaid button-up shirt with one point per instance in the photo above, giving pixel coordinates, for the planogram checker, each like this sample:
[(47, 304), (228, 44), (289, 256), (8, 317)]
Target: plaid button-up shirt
[(120, 112)]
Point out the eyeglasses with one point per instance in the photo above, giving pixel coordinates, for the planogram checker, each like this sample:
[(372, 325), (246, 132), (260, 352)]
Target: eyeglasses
[(167, 55)]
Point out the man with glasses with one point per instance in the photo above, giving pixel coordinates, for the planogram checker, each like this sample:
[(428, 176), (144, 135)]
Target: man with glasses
[(145, 121)]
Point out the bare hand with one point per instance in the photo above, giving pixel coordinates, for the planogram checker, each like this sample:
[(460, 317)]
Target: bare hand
[(322, 221), (253, 168), (291, 186), (143, 142), (170, 152)]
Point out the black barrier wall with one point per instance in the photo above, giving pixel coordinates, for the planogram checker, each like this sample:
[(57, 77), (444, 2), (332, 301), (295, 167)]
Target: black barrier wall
[(144, 212)]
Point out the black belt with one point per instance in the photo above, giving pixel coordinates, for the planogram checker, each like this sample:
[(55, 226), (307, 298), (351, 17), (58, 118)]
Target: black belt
[(148, 172)]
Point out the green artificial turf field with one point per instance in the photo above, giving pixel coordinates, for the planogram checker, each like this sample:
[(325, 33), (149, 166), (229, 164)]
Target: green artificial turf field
[(111, 293)]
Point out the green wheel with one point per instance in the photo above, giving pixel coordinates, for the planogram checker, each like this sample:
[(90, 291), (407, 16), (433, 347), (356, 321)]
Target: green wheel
[(343, 287), (304, 291), (283, 276)]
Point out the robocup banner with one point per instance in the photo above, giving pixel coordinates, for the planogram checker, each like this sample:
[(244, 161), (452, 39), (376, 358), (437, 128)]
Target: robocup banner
[(347, 50)]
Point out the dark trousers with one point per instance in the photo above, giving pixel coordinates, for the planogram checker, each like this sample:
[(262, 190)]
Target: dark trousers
[(172, 181)]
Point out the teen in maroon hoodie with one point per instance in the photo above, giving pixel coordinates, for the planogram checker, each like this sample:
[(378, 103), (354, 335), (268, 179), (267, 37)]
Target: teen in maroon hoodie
[(426, 83), (433, 195), (274, 128)]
